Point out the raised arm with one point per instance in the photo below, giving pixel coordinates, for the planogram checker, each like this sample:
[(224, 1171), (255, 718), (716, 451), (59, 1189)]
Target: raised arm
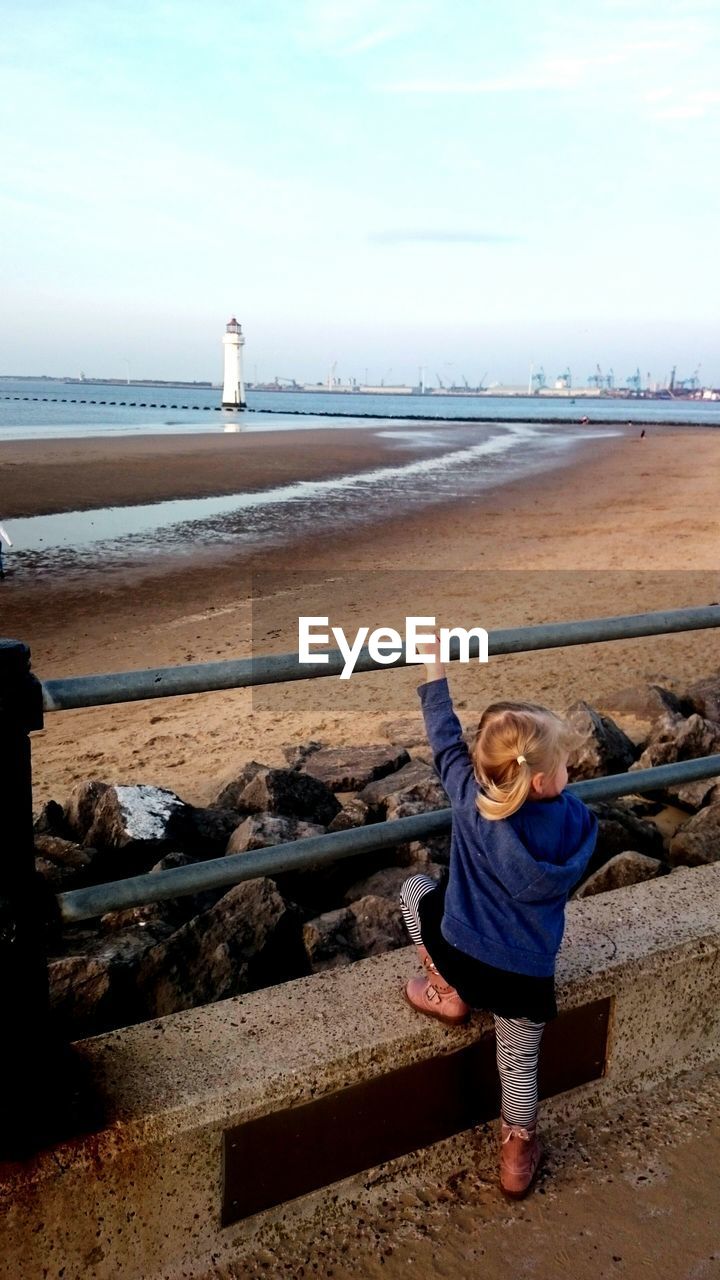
[(450, 754)]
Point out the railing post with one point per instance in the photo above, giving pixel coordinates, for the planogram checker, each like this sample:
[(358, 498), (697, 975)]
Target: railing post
[(29, 1055)]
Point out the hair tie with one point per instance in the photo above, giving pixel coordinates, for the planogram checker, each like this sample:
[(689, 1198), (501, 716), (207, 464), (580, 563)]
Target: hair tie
[(521, 760)]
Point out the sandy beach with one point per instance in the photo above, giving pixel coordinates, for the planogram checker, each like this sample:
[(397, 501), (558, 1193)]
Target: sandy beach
[(626, 525)]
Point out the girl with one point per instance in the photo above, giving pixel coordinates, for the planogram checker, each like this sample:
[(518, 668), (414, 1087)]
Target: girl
[(489, 933)]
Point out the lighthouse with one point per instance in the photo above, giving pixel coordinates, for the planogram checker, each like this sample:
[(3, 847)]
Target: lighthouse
[(233, 396)]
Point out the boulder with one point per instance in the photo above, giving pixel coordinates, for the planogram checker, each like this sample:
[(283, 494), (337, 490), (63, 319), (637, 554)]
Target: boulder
[(376, 794), (92, 988), (229, 797), (130, 827), (57, 877), (643, 704), (354, 813), (209, 830), (347, 768), (388, 882), (705, 697), (379, 925), (292, 794), (251, 938), (262, 830), (680, 739), (51, 820), (422, 797), (602, 748), (368, 927), (410, 730), (423, 854), (619, 830), (80, 994), (693, 795), (81, 805), (697, 843), (624, 869)]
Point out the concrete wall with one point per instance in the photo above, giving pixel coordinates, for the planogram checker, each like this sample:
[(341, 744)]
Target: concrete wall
[(141, 1199)]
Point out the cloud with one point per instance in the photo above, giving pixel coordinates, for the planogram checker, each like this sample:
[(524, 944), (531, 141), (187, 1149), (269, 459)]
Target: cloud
[(439, 236)]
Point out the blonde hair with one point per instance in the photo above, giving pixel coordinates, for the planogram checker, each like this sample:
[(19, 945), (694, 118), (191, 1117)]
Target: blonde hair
[(515, 740)]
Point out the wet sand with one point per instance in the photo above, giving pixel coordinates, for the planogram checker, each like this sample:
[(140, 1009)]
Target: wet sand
[(42, 476), (631, 525), (629, 1192)]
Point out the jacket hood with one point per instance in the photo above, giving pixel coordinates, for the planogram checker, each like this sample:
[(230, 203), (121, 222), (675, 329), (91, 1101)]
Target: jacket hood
[(551, 845)]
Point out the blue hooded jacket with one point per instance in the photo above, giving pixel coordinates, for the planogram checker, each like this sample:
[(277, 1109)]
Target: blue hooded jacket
[(509, 878)]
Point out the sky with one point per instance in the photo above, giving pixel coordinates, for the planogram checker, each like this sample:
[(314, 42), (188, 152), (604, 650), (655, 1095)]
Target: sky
[(373, 185)]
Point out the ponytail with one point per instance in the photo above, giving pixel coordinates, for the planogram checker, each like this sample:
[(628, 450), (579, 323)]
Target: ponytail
[(500, 800)]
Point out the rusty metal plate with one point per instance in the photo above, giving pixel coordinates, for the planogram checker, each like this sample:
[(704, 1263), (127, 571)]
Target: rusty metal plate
[(289, 1153)]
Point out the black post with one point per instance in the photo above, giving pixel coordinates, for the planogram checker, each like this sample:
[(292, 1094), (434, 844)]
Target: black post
[(31, 1059)]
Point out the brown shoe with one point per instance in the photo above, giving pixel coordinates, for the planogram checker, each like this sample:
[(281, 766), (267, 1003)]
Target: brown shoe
[(520, 1156), (436, 998)]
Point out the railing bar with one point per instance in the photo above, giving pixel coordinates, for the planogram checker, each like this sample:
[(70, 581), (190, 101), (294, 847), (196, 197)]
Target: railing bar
[(164, 682), (84, 904)]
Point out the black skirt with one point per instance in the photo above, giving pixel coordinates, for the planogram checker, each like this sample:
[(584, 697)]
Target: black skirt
[(510, 995)]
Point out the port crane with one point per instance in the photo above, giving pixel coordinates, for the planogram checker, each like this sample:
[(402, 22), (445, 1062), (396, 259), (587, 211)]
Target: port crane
[(537, 380), (634, 382), (689, 384)]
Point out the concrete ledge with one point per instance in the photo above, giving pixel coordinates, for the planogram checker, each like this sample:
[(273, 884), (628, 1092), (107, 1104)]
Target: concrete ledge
[(142, 1198)]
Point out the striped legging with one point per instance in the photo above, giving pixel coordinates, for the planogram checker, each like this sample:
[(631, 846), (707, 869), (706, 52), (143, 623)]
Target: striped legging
[(517, 1039)]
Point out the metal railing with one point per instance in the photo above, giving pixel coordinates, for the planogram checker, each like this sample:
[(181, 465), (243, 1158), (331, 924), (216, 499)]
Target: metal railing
[(26, 907), (204, 677)]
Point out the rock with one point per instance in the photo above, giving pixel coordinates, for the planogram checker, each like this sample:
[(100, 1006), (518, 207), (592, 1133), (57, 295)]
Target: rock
[(375, 794), (128, 826), (251, 938), (59, 878), (423, 797), (423, 854), (697, 843), (328, 939), (379, 925), (693, 795), (51, 820), (645, 704), (292, 794), (676, 739), (91, 990), (603, 747), (229, 797), (619, 830), (388, 882), (349, 768), (262, 830), (80, 994), (369, 926), (354, 813), (705, 697), (410, 730), (624, 869), (63, 864), (80, 808), (209, 830)]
